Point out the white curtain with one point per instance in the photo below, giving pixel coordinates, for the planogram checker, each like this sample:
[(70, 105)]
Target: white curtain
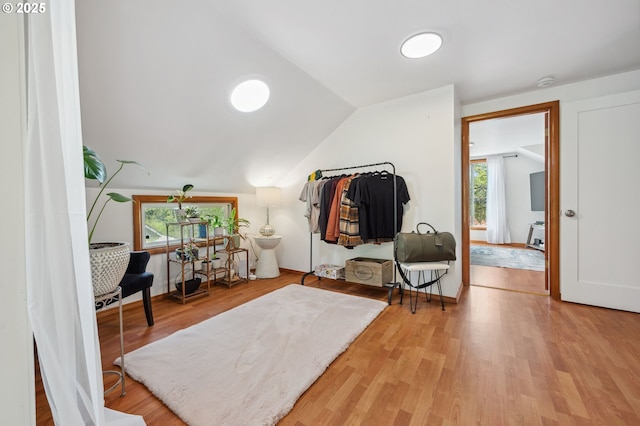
[(59, 291), (497, 223)]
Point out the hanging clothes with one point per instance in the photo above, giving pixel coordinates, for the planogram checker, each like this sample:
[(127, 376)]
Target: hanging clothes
[(326, 199), (353, 210), (373, 194), (349, 235), (333, 219), (311, 196)]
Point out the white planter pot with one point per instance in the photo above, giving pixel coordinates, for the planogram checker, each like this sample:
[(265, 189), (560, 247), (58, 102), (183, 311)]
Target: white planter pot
[(109, 262), (181, 215)]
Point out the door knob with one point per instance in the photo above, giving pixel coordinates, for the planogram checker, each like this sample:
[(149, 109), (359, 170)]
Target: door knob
[(569, 213)]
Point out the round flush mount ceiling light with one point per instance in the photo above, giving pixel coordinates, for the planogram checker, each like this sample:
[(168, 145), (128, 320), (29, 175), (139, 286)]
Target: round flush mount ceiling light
[(421, 45), (250, 95)]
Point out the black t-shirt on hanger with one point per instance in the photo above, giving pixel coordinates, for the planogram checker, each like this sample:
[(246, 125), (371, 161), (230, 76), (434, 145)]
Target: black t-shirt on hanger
[(373, 194)]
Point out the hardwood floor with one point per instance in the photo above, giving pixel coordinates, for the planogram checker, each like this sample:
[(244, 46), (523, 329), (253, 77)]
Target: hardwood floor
[(495, 358), (520, 280)]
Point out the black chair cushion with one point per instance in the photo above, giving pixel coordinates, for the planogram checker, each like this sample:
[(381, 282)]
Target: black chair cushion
[(133, 283)]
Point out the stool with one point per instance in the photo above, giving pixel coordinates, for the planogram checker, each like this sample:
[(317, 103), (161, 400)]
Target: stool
[(435, 268)]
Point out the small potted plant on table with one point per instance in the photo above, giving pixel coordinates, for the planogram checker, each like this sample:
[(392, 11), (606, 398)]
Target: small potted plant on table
[(233, 225), (193, 214), (188, 252), (183, 194)]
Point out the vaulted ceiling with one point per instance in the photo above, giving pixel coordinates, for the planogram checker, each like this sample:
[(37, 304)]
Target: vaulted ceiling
[(155, 75)]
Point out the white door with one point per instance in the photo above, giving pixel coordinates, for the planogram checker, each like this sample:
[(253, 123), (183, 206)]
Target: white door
[(600, 201)]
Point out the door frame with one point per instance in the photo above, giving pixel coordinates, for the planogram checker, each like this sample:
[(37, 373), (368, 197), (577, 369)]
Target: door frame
[(552, 186)]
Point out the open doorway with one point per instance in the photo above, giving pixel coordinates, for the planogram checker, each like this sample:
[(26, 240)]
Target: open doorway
[(506, 182), (532, 230)]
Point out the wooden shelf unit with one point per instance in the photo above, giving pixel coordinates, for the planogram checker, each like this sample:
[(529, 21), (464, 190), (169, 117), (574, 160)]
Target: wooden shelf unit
[(187, 267)]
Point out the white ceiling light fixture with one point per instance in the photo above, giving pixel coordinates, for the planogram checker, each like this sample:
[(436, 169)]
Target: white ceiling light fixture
[(420, 45), (250, 95)]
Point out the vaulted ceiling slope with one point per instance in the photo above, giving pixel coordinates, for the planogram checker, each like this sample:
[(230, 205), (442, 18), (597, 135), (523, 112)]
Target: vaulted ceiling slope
[(155, 75)]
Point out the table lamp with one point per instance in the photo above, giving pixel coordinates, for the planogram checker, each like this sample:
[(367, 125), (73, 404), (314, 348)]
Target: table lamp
[(268, 196)]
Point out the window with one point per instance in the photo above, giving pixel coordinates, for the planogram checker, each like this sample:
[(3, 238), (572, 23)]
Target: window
[(151, 213), (478, 195)]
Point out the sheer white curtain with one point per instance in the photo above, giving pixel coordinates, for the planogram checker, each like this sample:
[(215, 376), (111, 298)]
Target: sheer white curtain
[(59, 291), (497, 223)]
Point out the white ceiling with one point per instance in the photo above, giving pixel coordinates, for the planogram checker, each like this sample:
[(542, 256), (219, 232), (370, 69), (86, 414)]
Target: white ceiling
[(522, 134), (155, 74)]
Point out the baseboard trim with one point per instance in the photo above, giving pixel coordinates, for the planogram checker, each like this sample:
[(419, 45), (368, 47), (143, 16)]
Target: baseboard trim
[(484, 243), (292, 271)]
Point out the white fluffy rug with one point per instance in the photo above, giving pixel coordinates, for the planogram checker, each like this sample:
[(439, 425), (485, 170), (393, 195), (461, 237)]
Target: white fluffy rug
[(249, 365)]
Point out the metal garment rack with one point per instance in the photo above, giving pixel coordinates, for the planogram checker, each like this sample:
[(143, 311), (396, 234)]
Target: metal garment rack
[(389, 286)]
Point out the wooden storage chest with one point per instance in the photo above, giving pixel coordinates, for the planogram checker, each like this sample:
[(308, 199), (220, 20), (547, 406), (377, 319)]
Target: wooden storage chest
[(374, 272)]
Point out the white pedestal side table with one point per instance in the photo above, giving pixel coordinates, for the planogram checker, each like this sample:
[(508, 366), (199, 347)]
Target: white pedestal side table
[(267, 263)]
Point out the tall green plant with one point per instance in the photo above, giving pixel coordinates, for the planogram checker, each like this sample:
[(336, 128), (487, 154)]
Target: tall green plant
[(94, 169), (234, 223)]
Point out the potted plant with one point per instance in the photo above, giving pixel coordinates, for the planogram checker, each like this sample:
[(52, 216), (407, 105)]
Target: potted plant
[(109, 260), (183, 194), (216, 262), (217, 224), (233, 225), (193, 213), (188, 252)]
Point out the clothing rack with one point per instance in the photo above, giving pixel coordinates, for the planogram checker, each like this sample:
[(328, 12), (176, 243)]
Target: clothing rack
[(394, 284)]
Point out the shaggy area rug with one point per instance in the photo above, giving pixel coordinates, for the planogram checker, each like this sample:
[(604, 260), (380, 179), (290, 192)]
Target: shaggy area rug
[(507, 257), (249, 365)]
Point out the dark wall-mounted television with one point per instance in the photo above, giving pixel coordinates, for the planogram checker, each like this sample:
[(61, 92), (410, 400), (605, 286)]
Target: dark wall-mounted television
[(536, 182)]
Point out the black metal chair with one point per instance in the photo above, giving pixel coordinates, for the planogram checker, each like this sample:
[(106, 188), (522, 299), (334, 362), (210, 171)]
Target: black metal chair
[(136, 279)]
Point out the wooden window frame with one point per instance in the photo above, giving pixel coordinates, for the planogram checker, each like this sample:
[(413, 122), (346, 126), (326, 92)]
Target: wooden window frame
[(140, 200)]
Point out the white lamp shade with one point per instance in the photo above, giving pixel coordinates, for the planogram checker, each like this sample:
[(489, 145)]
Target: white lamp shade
[(268, 196)]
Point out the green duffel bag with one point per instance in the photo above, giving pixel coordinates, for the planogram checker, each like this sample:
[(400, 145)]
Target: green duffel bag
[(411, 247)]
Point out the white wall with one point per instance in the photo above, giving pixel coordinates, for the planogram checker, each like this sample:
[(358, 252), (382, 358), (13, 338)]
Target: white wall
[(418, 134), (17, 395), (617, 83)]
